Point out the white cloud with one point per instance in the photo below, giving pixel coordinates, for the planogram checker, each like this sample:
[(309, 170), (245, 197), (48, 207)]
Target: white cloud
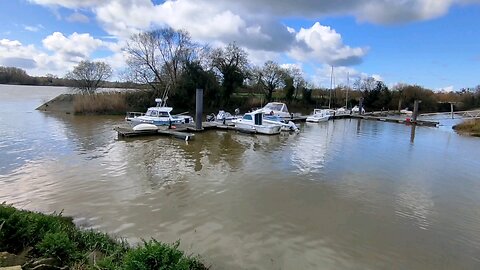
[(33, 28), (58, 55), (321, 44), (68, 3), (6, 43), (446, 89), (73, 48), (78, 17)]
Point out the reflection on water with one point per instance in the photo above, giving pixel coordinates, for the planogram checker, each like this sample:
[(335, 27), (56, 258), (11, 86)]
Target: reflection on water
[(348, 194)]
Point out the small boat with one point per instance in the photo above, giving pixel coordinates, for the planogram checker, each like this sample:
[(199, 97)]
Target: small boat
[(406, 111), (223, 117), (145, 127), (253, 123), (342, 111), (275, 109), (319, 115), (356, 110), (157, 116)]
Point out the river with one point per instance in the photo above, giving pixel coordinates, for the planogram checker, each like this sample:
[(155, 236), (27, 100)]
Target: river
[(346, 194)]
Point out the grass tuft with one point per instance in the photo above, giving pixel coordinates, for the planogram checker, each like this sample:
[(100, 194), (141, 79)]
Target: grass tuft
[(469, 127)]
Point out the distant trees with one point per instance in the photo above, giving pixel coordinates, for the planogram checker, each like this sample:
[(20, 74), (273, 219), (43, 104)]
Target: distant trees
[(89, 76), (13, 75)]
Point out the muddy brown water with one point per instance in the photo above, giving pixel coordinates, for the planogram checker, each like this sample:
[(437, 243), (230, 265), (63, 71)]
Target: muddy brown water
[(348, 194)]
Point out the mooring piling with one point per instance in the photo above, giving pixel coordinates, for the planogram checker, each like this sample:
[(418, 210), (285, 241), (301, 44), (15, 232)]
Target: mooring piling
[(415, 110), (199, 109)]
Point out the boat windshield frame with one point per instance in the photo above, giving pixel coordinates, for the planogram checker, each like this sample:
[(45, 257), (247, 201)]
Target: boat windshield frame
[(273, 106)]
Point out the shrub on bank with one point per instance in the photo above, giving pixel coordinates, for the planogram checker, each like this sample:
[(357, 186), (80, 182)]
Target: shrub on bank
[(56, 237)]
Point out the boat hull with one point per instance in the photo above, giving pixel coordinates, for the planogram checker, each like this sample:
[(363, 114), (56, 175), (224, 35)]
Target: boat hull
[(260, 129)]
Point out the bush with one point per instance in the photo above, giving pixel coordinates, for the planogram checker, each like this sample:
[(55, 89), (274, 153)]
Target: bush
[(156, 255), (54, 236), (57, 245), (24, 228)]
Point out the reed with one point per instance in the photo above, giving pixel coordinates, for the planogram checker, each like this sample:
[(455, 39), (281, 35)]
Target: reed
[(100, 103), (469, 127)]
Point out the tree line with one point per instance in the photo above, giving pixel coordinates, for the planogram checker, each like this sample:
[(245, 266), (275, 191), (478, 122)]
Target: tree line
[(169, 60)]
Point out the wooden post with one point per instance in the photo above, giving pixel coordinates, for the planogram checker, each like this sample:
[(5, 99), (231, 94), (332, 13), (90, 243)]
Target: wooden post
[(451, 109), (360, 106), (399, 105), (412, 134), (199, 109), (415, 110)]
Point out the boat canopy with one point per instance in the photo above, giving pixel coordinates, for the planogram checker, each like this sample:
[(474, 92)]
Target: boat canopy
[(159, 111), (276, 106)]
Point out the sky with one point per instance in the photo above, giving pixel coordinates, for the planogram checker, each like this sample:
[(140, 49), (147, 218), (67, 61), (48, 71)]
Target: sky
[(432, 43)]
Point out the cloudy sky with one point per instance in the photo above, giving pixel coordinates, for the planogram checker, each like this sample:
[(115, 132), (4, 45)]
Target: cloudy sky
[(434, 43)]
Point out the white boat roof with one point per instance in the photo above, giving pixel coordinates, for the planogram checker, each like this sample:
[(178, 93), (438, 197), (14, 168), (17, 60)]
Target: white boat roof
[(278, 106), (161, 109)]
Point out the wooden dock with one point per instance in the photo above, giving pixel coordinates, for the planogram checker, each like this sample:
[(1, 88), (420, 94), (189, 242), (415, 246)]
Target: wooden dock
[(127, 131), (396, 120)]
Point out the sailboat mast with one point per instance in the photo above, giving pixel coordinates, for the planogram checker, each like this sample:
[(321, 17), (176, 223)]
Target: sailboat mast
[(348, 87), (331, 87)]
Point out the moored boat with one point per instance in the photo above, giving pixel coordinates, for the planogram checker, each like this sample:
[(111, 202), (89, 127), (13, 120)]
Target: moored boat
[(254, 123), (319, 115), (275, 109), (158, 116)]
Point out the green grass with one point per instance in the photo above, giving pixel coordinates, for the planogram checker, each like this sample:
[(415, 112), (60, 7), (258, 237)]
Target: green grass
[(55, 236)]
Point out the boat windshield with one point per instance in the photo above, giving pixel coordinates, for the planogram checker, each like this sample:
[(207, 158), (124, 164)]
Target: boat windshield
[(247, 117), (276, 107), (155, 113)]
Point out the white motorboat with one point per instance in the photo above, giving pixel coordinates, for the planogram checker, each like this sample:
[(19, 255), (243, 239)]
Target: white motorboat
[(223, 117), (158, 116), (406, 111), (275, 109), (254, 123), (319, 115), (342, 111), (356, 110)]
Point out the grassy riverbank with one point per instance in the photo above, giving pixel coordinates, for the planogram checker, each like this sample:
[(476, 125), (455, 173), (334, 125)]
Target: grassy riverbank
[(470, 127), (54, 240)]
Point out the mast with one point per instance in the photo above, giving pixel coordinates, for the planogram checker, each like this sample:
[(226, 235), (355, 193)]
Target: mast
[(331, 87), (348, 87)]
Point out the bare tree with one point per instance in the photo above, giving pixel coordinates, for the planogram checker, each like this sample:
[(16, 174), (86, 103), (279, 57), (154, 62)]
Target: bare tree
[(231, 63), (89, 76), (298, 81), (158, 57), (270, 77)]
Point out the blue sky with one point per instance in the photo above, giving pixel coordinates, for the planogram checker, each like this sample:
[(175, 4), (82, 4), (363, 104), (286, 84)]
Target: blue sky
[(435, 44)]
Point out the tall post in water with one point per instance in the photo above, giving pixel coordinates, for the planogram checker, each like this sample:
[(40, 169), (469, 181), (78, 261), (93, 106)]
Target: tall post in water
[(199, 109), (360, 106), (451, 109), (415, 110)]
